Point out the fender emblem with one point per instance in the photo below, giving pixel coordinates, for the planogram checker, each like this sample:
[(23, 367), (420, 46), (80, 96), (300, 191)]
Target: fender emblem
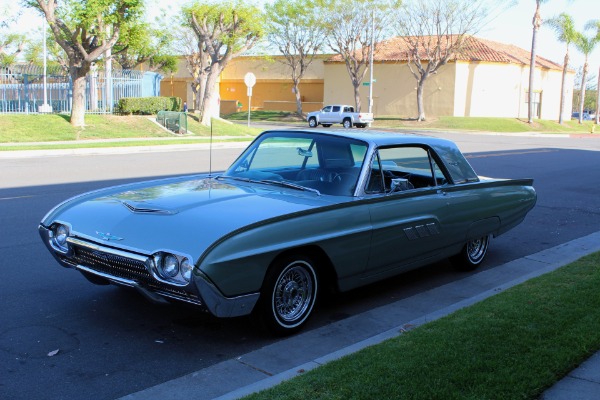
[(108, 236)]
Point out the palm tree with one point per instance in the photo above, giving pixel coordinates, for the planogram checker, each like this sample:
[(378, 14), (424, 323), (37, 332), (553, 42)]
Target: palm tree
[(536, 22), (585, 45), (565, 29), (596, 25)]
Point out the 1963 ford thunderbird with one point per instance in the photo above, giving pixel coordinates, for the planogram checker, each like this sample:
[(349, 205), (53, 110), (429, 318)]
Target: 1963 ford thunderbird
[(296, 212)]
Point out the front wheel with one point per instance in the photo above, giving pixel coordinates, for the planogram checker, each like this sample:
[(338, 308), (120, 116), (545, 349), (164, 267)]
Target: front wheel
[(312, 122), (288, 295), (347, 123), (472, 254)]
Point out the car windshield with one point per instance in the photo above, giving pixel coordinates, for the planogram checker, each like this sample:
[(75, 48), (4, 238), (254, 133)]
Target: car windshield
[(320, 163)]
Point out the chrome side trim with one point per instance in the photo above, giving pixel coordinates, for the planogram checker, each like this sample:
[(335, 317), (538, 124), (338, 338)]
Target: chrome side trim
[(222, 306)]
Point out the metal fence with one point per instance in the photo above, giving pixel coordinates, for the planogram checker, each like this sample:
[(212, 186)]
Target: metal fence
[(22, 89)]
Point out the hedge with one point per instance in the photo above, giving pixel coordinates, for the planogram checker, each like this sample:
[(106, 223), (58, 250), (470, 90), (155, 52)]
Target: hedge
[(148, 105)]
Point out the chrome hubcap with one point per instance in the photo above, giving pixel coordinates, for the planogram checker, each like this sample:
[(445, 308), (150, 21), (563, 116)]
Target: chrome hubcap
[(476, 248), (293, 293)]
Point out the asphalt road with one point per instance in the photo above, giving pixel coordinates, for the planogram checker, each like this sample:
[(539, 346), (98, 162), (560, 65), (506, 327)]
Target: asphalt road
[(111, 342)]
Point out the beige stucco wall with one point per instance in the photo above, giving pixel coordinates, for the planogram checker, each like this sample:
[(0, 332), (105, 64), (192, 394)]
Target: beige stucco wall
[(395, 90), (458, 89)]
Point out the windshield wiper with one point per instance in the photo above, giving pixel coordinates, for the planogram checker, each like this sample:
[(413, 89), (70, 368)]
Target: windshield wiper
[(290, 185)]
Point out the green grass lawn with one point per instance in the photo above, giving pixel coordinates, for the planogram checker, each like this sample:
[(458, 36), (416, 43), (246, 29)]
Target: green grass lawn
[(56, 127), (504, 125), (513, 345)]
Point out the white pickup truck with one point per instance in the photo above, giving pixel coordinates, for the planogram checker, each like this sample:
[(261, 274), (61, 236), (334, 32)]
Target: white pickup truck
[(339, 114)]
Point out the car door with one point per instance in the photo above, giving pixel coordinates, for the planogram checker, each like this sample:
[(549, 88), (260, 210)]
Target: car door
[(325, 116), (410, 210)]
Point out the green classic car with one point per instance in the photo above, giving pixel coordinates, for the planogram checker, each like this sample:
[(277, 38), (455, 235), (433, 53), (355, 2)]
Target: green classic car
[(298, 211)]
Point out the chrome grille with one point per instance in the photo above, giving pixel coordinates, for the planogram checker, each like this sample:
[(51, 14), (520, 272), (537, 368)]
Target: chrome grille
[(112, 264), (120, 266)]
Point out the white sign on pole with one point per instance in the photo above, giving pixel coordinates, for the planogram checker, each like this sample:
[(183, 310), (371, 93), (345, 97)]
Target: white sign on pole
[(249, 80)]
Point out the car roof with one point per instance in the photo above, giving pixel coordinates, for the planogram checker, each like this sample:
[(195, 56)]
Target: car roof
[(379, 138)]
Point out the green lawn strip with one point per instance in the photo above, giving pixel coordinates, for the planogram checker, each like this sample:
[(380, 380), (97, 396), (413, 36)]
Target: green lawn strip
[(513, 345), (273, 116), (503, 125), (56, 127)]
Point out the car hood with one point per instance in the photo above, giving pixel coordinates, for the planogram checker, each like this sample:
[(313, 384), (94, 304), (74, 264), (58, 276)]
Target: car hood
[(183, 215)]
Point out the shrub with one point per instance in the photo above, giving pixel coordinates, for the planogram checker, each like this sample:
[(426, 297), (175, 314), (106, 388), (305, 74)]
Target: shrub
[(148, 105)]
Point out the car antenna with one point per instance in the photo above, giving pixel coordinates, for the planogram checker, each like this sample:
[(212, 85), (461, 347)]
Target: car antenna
[(210, 149)]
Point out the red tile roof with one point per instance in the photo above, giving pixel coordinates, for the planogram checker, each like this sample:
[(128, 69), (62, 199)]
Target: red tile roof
[(476, 49)]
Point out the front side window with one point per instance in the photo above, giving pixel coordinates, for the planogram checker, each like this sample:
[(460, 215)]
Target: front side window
[(403, 168), (328, 164)]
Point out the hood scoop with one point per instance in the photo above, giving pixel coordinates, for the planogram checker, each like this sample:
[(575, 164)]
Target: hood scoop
[(147, 209)]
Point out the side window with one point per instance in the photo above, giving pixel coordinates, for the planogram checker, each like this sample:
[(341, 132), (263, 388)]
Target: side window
[(403, 168), (336, 109), (326, 109)]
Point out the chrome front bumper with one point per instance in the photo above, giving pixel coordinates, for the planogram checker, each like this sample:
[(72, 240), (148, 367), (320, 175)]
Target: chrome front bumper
[(129, 269)]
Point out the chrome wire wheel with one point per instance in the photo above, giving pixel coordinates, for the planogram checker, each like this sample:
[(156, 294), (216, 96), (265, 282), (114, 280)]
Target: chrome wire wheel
[(477, 248), (294, 293), (288, 294), (472, 254)]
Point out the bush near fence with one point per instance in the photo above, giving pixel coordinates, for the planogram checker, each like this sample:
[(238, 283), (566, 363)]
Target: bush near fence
[(148, 105)]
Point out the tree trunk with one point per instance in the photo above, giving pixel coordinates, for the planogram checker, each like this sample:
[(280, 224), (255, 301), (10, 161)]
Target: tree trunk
[(298, 98), (562, 88), (356, 95), (598, 99), (78, 106), (420, 108), (208, 104), (582, 93), (537, 20)]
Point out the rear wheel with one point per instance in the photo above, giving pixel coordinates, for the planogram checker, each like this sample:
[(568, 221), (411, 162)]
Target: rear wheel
[(312, 122), (347, 123), (472, 254), (288, 295)]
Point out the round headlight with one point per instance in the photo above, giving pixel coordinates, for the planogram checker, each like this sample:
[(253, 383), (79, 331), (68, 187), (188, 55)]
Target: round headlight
[(186, 269), (61, 233), (170, 266)]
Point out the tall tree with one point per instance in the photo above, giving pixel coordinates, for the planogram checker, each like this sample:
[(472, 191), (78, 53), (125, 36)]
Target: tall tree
[(564, 27), (11, 44), (352, 26), (293, 26), (144, 43), (435, 32), (197, 63), (536, 22), (585, 44), (224, 30), (596, 25), (85, 31)]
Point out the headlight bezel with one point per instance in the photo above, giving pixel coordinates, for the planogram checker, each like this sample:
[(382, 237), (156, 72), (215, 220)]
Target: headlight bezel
[(166, 266)]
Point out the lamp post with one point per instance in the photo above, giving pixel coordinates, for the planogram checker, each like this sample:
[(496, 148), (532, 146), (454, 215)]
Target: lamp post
[(45, 107)]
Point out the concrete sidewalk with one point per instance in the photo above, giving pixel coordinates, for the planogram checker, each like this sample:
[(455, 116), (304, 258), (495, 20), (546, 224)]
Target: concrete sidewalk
[(272, 364)]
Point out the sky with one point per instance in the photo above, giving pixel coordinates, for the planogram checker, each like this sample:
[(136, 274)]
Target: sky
[(512, 25)]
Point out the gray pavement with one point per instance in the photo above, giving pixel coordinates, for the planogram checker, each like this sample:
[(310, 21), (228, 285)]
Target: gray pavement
[(277, 362)]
